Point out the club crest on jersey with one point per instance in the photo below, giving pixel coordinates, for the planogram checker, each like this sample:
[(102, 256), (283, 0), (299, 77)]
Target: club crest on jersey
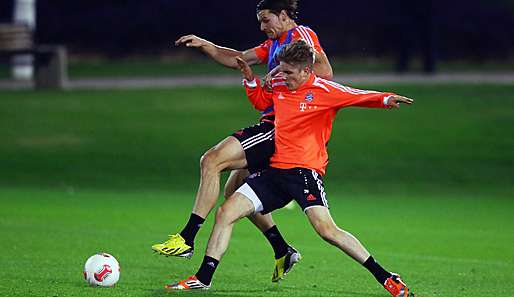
[(309, 96)]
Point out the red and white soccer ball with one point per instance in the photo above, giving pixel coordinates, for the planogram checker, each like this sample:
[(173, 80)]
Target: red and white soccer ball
[(102, 270)]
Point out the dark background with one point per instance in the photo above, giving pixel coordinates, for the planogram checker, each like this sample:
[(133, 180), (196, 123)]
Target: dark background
[(446, 30)]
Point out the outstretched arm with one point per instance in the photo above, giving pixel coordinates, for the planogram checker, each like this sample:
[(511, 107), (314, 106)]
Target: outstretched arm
[(223, 55), (344, 96), (376, 99)]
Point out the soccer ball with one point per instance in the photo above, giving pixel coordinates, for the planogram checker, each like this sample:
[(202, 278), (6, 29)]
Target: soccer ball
[(102, 270)]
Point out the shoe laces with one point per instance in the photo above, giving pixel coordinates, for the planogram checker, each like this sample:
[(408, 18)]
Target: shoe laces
[(172, 238), (184, 281)]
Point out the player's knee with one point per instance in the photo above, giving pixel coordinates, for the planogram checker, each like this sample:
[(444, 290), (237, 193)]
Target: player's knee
[(210, 160), (224, 214), (221, 215)]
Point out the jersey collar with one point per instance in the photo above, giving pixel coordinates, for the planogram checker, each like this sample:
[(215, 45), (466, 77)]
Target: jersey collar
[(283, 36), (309, 83)]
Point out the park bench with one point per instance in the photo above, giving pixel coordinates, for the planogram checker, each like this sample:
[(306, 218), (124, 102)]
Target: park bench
[(50, 61)]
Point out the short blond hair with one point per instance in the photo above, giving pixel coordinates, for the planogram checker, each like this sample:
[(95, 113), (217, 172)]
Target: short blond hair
[(297, 53)]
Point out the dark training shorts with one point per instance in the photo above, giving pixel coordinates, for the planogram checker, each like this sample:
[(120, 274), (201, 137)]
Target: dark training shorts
[(258, 143), (275, 188)]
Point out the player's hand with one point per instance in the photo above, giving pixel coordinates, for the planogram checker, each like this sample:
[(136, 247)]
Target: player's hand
[(269, 77), (246, 71), (191, 41), (395, 100)]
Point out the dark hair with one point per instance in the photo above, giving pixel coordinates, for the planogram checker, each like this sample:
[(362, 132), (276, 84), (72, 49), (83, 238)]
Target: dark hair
[(276, 6), (297, 53)]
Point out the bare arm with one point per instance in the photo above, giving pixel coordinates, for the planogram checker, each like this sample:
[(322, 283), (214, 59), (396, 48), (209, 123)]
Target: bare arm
[(246, 71), (223, 55), (322, 67)]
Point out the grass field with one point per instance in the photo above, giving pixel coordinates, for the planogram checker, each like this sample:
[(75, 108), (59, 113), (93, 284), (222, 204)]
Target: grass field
[(429, 189)]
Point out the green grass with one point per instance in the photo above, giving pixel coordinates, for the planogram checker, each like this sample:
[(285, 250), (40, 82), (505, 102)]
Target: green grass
[(147, 67), (444, 245), (427, 188)]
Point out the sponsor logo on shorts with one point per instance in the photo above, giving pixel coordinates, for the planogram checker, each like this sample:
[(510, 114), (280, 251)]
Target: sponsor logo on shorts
[(320, 187), (254, 175)]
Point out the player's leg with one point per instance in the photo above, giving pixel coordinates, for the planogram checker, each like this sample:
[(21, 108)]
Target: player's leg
[(258, 194), (236, 180), (324, 225), (320, 219), (308, 191), (285, 255), (228, 154), (234, 208)]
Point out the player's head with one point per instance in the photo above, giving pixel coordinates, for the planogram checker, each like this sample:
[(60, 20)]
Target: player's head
[(276, 16), (296, 62)]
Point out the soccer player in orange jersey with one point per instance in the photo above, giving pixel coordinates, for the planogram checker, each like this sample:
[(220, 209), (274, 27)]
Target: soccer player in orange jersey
[(247, 150), (305, 107)]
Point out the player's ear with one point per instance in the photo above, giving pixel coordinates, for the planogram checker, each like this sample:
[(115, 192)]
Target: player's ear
[(283, 15)]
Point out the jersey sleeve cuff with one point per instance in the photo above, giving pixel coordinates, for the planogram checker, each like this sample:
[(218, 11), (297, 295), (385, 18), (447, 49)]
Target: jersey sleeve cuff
[(250, 84), (386, 100)]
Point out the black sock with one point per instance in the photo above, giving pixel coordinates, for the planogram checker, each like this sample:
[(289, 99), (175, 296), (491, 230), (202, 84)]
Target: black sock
[(378, 272), (277, 242), (192, 227), (207, 270)]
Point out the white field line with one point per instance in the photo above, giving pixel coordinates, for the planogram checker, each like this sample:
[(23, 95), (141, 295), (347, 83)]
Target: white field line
[(233, 80)]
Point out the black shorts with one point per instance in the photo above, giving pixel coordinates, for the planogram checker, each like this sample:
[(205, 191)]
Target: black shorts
[(258, 143), (275, 188)]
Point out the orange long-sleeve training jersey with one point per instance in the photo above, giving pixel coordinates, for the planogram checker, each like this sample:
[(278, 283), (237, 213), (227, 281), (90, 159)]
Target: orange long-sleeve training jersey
[(303, 118)]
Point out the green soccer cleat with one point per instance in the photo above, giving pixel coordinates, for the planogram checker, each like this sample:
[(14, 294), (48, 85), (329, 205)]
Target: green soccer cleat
[(174, 246), (285, 264)]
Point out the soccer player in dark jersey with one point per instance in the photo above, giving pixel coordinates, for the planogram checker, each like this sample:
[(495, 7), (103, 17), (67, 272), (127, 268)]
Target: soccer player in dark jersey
[(247, 150), (305, 107)]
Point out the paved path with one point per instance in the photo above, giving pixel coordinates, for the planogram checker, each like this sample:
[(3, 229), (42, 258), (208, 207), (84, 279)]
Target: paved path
[(169, 82)]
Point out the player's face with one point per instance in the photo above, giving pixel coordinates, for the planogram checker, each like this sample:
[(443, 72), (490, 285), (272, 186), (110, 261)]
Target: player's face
[(271, 24), (295, 76)]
